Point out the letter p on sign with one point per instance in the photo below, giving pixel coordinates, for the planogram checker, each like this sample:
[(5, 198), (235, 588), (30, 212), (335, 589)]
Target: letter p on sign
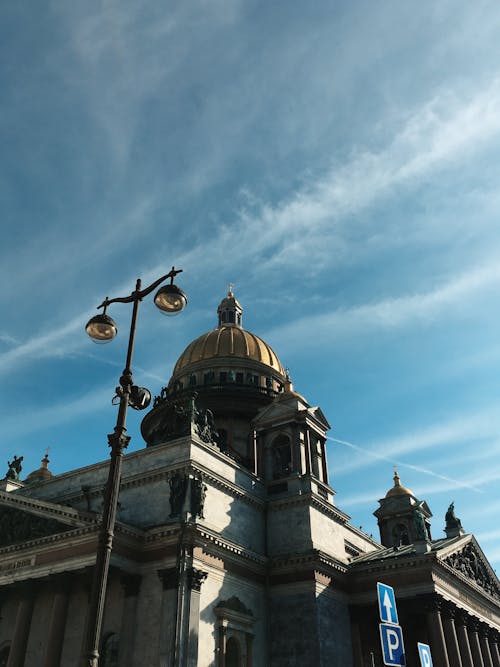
[(424, 653)]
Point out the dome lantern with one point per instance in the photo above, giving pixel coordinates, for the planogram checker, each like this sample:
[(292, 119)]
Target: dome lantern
[(229, 310)]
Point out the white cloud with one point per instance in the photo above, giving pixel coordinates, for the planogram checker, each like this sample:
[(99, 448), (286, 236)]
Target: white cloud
[(370, 455), (393, 313)]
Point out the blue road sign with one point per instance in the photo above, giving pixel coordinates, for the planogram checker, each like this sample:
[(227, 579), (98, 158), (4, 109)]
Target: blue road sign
[(424, 653), (393, 650), (387, 604)]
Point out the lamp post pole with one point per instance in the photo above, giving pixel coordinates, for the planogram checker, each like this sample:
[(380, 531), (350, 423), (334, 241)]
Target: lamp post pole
[(171, 300)]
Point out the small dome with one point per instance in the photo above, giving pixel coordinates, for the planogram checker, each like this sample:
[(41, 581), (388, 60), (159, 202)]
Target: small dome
[(398, 489), (41, 474)]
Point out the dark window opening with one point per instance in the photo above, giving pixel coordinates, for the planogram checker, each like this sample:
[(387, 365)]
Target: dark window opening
[(233, 653), (109, 651), (400, 535), (281, 457), (239, 378), (223, 377), (4, 656)]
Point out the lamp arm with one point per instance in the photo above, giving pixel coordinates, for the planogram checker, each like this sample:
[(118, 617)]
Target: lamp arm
[(138, 295)]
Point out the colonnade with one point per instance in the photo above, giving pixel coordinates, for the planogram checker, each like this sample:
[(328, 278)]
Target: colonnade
[(459, 639), (456, 638), (179, 618), (61, 588)]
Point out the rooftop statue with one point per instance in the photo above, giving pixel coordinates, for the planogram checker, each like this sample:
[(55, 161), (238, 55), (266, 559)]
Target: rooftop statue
[(15, 467), (451, 520)]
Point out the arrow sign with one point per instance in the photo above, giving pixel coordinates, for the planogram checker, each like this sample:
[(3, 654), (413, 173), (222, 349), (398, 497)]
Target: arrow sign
[(387, 604)]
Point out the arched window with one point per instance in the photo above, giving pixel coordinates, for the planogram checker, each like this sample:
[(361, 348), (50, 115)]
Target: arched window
[(400, 535), (109, 651), (233, 653), (281, 457)]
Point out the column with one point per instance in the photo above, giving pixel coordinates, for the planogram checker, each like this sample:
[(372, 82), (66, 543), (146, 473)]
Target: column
[(195, 578), (131, 584), (357, 650), (221, 648), (249, 650), (170, 580), (450, 634), (477, 656), (461, 620), (22, 627), (57, 624), (485, 646), (494, 648), (436, 634)]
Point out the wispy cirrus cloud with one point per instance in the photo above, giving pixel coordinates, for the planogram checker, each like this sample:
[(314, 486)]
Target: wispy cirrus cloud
[(370, 456), (432, 137), (479, 425), (391, 313)]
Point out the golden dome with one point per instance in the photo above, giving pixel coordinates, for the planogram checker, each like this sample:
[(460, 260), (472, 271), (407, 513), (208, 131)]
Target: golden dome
[(41, 474), (228, 342), (398, 489)]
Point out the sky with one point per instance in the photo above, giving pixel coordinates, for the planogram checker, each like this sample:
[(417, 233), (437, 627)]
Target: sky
[(337, 162)]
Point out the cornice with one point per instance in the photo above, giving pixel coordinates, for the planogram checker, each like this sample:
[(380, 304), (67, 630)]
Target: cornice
[(312, 500), (43, 508)]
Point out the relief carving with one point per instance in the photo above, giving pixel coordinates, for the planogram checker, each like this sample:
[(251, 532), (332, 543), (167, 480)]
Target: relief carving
[(17, 526), (469, 564)]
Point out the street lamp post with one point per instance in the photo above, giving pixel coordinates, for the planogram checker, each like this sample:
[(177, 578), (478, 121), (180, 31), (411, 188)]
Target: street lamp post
[(170, 299)]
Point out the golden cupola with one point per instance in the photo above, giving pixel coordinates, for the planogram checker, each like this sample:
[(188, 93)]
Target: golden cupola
[(228, 355)]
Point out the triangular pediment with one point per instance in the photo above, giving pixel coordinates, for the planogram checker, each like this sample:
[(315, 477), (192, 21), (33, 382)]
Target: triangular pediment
[(24, 519), (278, 411), (289, 410), (468, 560)]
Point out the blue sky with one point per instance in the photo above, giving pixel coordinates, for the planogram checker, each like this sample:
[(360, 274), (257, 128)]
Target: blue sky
[(338, 162)]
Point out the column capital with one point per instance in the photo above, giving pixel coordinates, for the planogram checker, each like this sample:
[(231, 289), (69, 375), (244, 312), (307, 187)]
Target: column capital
[(462, 618), (169, 577), (433, 602), (474, 625), (131, 584), (449, 610), (195, 578)]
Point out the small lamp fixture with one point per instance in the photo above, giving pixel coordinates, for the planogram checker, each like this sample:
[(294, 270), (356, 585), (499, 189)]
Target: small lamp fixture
[(101, 328), (139, 398), (170, 299)]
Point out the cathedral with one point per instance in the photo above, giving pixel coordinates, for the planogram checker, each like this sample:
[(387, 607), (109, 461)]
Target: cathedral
[(229, 548)]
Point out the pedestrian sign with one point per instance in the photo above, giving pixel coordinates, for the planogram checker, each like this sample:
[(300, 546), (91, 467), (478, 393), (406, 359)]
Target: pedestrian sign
[(424, 653), (387, 604), (393, 650)]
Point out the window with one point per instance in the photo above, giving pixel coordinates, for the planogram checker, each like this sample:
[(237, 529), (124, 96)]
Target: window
[(281, 457), (234, 633), (109, 651), (233, 653), (400, 535)]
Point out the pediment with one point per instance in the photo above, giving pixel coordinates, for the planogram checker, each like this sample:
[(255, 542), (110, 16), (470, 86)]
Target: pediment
[(320, 416), (277, 411), (287, 410), (24, 519), (469, 561)]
